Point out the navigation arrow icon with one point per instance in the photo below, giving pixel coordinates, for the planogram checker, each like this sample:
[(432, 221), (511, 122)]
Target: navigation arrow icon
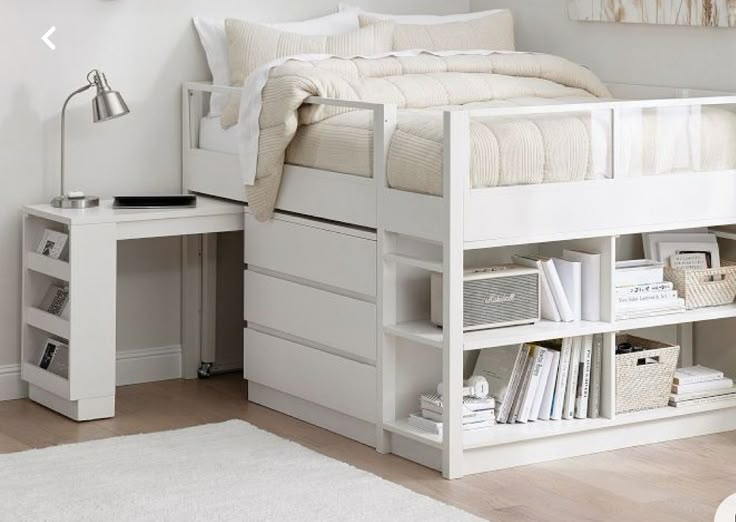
[(46, 38)]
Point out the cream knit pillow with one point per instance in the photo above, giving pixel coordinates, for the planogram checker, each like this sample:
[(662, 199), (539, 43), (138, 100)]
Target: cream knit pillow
[(493, 32), (253, 45)]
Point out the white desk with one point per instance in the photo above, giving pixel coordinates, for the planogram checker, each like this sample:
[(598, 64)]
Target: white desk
[(90, 271)]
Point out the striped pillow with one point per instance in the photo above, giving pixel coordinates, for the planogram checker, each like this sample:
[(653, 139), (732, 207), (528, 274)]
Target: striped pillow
[(492, 32), (253, 45)]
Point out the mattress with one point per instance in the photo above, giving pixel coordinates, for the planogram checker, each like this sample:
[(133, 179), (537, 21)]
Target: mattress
[(510, 151)]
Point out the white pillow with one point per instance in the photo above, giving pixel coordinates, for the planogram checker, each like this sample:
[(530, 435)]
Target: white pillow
[(214, 41), (419, 19)]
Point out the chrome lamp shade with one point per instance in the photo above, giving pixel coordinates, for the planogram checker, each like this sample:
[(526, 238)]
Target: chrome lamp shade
[(106, 105)]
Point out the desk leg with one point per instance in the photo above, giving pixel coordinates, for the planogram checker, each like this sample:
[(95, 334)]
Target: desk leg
[(198, 302), (209, 303)]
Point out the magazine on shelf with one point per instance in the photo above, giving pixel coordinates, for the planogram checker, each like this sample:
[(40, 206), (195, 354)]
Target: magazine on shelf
[(52, 244), (55, 358), (56, 300)]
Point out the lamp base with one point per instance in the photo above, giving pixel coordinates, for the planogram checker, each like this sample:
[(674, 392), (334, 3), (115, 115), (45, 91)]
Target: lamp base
[(76, 203)]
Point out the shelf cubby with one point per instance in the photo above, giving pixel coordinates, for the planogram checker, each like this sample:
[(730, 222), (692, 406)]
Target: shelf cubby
[(502, 434), (33, 230)]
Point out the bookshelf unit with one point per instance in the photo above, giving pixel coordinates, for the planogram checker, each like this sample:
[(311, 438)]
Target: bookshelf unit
[(407, 328), (88, 268)]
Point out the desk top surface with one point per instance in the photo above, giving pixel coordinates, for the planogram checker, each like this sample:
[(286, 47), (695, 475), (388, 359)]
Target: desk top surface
[(206, 206)]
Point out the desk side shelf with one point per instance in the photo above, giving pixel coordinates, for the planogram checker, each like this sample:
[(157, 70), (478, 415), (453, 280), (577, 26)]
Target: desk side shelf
[(88, 266)]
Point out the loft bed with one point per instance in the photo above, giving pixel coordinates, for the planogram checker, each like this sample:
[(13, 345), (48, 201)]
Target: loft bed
[(426, 233), (210, 165)]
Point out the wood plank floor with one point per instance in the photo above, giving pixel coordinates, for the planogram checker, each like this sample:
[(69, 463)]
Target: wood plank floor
[(676, 481)]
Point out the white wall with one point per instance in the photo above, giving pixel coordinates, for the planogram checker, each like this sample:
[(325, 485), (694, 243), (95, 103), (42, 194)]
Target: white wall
[(147, 48), (647, 54)]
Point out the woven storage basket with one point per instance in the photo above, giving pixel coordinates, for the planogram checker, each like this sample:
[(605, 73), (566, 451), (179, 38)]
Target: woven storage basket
[(644, 379), (701, 288)]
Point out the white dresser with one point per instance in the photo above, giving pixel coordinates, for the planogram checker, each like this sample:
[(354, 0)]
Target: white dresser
[(310, 340)]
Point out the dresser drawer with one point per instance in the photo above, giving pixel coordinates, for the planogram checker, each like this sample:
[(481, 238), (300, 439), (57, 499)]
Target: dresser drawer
[(319, 377), (333, 320), (329, 254)]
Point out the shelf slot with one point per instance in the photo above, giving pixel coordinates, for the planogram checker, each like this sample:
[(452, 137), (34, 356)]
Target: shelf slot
[(47, 322), (423, 332), (45, 379), (403, 428), (424, 264), (48, 266)]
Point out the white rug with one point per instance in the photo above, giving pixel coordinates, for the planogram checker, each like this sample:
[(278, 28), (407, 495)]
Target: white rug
[(227, 471)]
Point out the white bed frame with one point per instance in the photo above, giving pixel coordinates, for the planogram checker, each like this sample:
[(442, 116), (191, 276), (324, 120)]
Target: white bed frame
[(444, 233)]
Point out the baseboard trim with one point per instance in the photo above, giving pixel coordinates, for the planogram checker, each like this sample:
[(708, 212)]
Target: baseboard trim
[(11, 387), (132, 367), (148, 365)]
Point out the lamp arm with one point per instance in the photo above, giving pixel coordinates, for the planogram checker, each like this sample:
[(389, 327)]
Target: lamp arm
[(63, 125)]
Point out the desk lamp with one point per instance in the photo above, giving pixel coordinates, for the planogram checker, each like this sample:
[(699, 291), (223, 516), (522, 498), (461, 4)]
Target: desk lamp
[(106, 105)]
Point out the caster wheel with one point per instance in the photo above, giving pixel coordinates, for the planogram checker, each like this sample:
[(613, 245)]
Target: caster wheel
[(205, 370)]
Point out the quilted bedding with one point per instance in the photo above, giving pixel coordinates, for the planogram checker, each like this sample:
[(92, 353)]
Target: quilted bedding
[(504, 151)]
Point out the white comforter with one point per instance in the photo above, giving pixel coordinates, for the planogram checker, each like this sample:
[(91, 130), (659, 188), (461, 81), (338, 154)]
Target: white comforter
[(504, 151)]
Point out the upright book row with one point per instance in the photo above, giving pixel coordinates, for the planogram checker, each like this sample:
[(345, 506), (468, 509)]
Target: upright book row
[(550, 380), (570, 286)]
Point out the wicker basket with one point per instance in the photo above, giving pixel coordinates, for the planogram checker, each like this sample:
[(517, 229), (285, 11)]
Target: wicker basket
[(644, 379), (701, 288)]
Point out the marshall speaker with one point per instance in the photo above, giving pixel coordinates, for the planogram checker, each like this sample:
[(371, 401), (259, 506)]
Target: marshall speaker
[(496, 296)]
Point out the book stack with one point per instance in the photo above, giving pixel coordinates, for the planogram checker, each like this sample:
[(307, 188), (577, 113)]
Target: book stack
[(569, 286), (641, 290), (551, 380), (700, 385), (477, 413)]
